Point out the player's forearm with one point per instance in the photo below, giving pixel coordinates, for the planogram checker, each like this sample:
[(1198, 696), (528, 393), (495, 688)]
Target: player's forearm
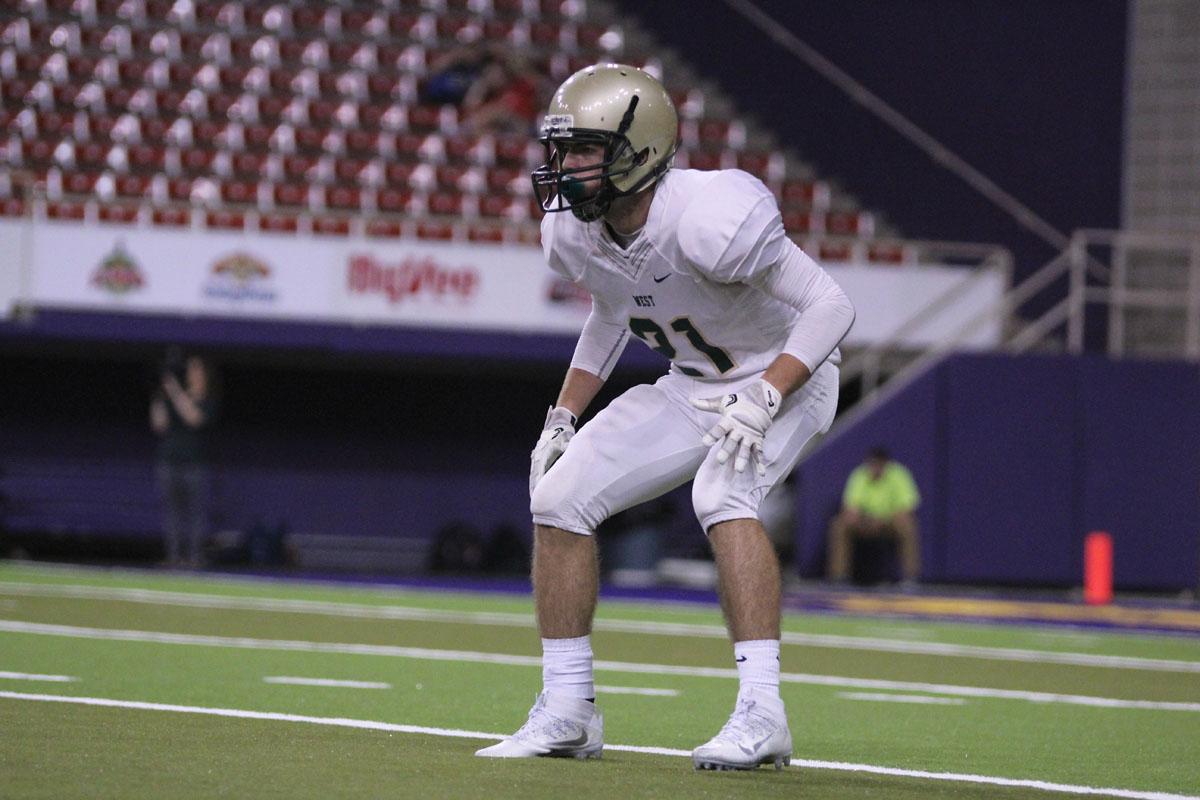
[(787, 374), (578, 390)]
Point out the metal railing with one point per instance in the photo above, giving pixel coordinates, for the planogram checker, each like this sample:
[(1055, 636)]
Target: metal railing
[(1090, 280)]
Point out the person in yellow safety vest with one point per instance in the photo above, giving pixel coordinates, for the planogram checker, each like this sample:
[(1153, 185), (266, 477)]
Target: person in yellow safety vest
[(880, 500)]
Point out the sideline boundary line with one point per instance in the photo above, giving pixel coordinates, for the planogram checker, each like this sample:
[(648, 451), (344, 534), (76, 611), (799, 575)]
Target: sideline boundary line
[(1063, 788), (431, 654), (410, 613)]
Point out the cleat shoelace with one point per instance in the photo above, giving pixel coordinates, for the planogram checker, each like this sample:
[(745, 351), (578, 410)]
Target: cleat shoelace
[(747, 721), (544, 725)]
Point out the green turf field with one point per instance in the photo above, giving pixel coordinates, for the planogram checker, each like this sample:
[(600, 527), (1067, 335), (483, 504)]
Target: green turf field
[(143, 685)]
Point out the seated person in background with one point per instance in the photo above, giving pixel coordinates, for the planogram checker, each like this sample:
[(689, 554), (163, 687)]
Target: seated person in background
[(879, 500), (454, 73), (506, 98)]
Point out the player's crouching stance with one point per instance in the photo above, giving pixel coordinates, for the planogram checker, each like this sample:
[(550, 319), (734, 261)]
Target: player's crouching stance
[(697, 266)]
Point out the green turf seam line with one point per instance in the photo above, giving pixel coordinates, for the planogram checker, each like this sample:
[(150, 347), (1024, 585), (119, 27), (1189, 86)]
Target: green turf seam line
[(407, 613), (1062, 788), (431, 654)]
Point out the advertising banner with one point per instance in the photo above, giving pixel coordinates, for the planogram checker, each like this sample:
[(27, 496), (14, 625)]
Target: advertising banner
[(362, 281)]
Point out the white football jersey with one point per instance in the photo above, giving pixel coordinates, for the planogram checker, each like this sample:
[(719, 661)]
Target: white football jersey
[(687, 285)]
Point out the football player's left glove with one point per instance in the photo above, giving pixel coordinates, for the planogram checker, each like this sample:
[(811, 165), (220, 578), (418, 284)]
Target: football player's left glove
[(745, 416), (560, 427)]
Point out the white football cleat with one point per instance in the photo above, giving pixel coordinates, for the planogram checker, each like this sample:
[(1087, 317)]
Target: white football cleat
[(756, 733), (558, 726)]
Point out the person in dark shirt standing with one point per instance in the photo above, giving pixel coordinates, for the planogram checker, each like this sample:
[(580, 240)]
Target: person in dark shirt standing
[(181, 411)]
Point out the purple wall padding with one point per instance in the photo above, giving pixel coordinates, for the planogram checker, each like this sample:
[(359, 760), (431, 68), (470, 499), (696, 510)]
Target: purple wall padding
[(1009, 453), (1140, 427), (1019, 457)]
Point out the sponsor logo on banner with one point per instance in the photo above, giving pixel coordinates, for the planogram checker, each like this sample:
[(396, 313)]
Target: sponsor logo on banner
[(561, 291), (240, 277), (411, 278), (118, 273)]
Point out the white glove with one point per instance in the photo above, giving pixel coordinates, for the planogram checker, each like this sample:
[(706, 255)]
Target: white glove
[(745, 416), (560, 427)]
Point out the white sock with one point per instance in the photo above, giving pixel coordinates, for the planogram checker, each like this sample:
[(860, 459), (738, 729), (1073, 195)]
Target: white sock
[(758, 665), (567, 666)]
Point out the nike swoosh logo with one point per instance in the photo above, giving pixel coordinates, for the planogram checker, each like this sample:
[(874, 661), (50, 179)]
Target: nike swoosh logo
[(740, 659), (756, 747), (663, 278), (579, 741)]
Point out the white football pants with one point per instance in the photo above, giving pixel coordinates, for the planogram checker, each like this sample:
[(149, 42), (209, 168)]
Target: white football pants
[(647, 442)]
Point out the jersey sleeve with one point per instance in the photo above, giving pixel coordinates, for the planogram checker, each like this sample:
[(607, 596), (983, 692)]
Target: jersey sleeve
[(732, 231), (601, 341)]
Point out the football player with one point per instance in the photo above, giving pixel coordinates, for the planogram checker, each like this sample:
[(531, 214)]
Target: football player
[(696, 265)]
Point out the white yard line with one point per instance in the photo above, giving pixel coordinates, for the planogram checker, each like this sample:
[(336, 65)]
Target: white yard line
[(430, 654), (331, 682), (918, 699), (363, 611), (28, 676), (1063, 788), (637, 690)]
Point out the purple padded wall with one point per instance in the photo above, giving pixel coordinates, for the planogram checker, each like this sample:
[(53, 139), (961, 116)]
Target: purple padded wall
[(1141, 482), (1010, 461), (1019, 457)]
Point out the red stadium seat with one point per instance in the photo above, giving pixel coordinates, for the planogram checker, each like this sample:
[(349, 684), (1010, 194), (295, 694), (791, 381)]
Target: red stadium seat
[(239, 192), (500, 179), (290, 194), (384, 228), (80, 182), (849, 223), (12, 207), (146, 157), (394, 200), (887, 253), (442, 231), (249, 165), (485, 233), (446, 204), (121, 214), (331, 226), (835, 251), (196, 160), (495, 205), (281, 223), (133, 185), (224, 219), (179, 189), (171, 217), (347, 198), (802, 221), (65, 210)]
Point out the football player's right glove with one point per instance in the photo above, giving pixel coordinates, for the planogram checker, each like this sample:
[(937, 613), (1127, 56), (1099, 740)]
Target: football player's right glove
[(745, 416), (560, 427)]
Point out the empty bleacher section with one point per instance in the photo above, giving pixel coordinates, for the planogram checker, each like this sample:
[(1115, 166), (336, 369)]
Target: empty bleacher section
[(305, 116)]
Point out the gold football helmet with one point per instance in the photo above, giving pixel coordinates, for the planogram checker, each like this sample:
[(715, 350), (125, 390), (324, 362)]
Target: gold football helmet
[(621, 108)]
